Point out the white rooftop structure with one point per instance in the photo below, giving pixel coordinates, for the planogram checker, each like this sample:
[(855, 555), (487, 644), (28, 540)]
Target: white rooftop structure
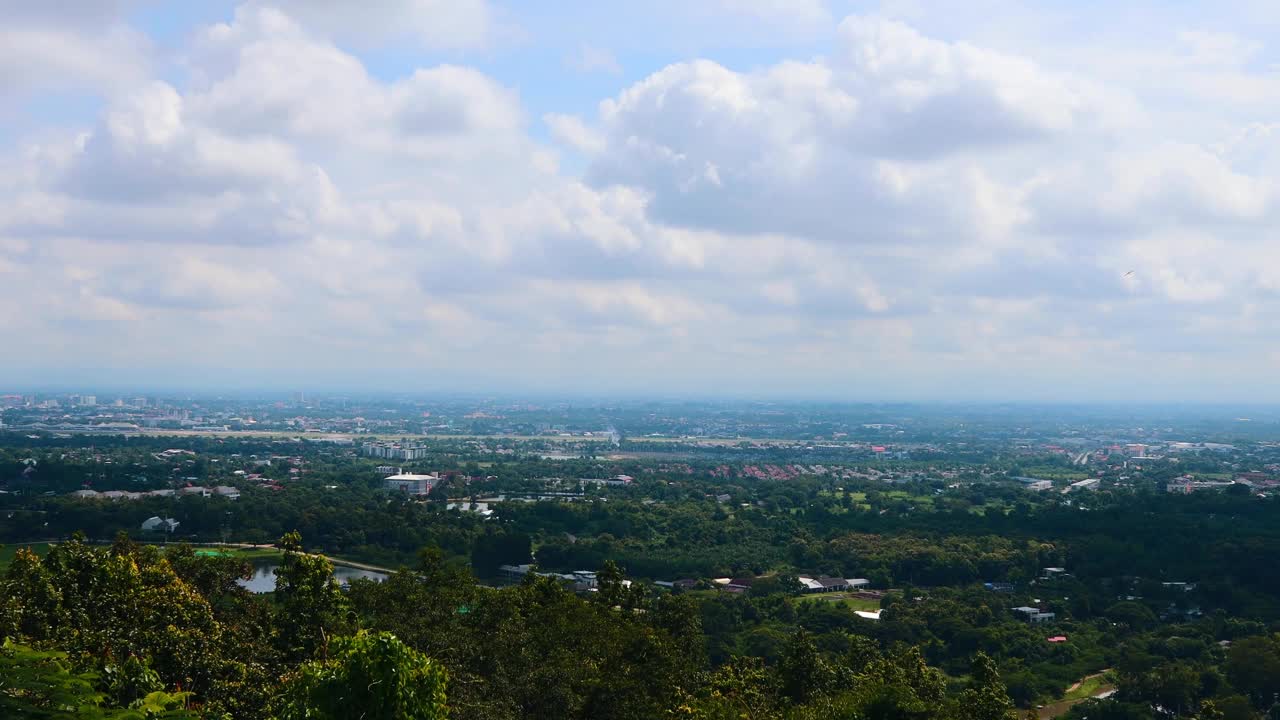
[(410, 483), (156, 522), (412, 476)]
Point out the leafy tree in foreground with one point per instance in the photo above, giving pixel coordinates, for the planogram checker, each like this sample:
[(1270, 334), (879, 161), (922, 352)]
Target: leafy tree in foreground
[(311, 604), (985, 698), (369, 676), (37, 684)]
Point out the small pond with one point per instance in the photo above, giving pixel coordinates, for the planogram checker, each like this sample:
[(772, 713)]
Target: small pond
[(264, 576)]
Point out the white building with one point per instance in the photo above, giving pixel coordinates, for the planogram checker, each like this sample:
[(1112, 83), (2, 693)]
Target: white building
[(394, 451), (1034, 615), (227, 492), (411, 484)]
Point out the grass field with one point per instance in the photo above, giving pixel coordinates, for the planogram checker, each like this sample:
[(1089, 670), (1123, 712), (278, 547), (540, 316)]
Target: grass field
[(267, 553), (1090, 686), (8, 551), (852, 603), (1087, 688)]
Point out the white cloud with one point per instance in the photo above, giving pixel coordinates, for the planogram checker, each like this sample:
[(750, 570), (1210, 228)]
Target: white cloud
[(431, 23), (894, 204), (572, 131), (42, 52)]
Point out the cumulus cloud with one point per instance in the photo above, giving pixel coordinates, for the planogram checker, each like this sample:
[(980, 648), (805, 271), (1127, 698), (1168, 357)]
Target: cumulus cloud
[(900, 205), (69, 45)]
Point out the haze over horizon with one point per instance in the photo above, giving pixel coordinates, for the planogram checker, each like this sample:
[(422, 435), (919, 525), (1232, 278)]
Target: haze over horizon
[(876, 201)]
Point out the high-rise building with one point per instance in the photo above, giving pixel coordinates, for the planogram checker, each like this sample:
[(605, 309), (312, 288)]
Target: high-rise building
[(140, 402), (89, 400)]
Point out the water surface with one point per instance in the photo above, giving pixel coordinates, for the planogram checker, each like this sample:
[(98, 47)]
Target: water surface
[(264, 576)]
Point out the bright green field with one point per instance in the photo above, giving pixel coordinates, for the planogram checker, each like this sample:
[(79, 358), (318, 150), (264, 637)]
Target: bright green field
[(241, 553), (8, 551), (1089, 687)]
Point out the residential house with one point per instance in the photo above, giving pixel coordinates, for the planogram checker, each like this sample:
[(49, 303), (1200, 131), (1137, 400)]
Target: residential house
[(1034, 615)]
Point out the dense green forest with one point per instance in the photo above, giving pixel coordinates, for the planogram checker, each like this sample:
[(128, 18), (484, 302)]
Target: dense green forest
[(1165, 603), (132, 631)]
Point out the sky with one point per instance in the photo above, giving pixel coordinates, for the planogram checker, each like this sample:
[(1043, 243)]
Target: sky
[(894, 200)]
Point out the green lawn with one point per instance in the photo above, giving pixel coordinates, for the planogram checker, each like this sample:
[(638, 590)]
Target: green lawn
[(8, 551), (268, 553), (1088, 687)]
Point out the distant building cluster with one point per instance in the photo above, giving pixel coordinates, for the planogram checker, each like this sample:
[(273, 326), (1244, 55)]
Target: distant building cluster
[(1187, 484), (225, 491), (831, 584), (394, 451), (615, 481), (578, 580)]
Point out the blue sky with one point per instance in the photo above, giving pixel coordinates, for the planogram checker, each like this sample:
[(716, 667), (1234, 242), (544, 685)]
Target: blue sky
[(895, 199)]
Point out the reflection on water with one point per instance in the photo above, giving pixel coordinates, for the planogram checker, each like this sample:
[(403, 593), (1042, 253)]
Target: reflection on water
[(264, 576)]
